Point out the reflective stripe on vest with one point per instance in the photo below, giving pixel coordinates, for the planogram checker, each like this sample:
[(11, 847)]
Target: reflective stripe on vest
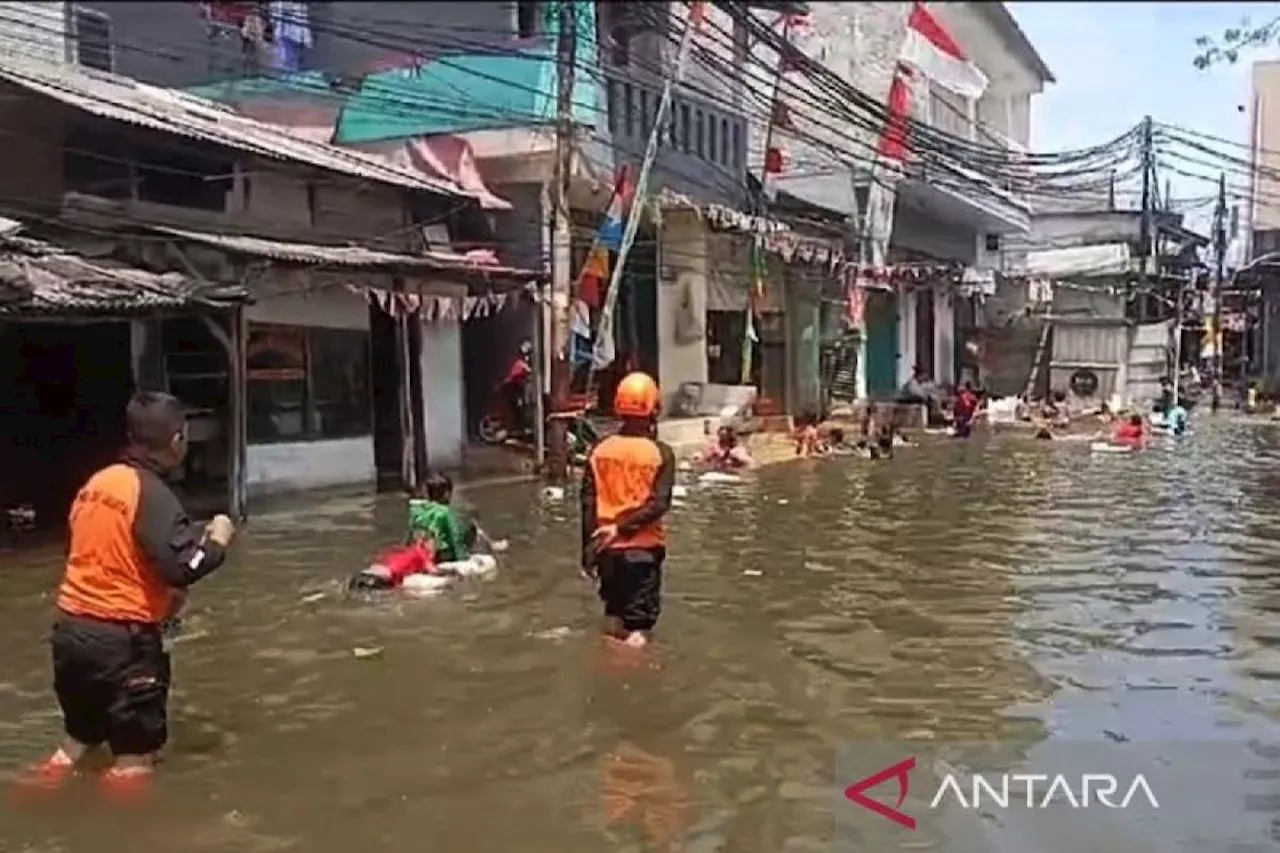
[(625, 469), (108, 576)]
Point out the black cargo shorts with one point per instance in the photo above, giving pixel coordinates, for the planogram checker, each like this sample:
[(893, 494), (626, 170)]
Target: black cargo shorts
[(112, 683), (631, 586)]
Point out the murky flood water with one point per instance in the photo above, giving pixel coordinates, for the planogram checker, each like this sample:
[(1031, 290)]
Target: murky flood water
[(968, 591)]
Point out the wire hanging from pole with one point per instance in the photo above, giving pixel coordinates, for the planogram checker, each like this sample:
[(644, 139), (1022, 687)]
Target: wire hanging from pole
[(773, 164), (603, 355)]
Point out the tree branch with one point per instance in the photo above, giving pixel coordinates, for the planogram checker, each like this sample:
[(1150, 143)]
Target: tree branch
[(1234, 41)]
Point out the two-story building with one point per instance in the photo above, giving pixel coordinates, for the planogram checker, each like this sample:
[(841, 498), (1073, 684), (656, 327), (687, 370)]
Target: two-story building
[(467, 91), (347, 361), (949, 211)]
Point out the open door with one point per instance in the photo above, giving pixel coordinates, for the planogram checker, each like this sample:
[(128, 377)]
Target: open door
[(388, 436)]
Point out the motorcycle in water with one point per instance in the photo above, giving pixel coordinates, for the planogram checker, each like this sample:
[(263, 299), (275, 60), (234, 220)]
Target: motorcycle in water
[(502, 423)]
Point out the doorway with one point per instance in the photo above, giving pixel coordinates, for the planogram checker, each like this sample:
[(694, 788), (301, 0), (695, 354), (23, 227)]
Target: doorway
[(926, 350), (385, 345), (881, 321), (66, 391)]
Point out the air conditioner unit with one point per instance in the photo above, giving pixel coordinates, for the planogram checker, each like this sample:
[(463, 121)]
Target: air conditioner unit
[(90, 41)]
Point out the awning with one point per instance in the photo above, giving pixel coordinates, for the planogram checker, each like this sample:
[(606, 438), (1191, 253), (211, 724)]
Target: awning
[(446, 157), (480, 263), (1100, 260), (177, 113), (39, 279)]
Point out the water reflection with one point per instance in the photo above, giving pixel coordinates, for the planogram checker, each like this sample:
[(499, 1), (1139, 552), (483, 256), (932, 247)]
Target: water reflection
[(969, 591)]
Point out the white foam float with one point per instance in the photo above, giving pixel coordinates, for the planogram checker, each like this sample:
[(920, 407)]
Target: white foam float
[(473, 566), (679, 491), (424, 585), (713, 477), (477, 565), (1107, 447)]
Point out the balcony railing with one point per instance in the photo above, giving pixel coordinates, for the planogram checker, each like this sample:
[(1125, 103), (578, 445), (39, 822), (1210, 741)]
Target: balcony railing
[(694, 128)]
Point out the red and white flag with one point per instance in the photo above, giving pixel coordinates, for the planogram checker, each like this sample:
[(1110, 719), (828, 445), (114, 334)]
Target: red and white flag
[(931, 50)]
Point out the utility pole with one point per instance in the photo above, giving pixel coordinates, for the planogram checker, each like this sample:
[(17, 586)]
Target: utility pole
[(603, 353), (561, 248), (1145, 226), (1219, 259), (1177, 341)]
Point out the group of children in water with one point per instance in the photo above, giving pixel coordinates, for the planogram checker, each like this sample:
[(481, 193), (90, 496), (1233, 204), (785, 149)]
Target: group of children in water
[(1168, 416), (879, 436), (437, 538)]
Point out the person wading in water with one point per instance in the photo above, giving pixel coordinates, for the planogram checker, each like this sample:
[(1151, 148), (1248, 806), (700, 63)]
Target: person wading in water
[(626, 491), (133, 553)]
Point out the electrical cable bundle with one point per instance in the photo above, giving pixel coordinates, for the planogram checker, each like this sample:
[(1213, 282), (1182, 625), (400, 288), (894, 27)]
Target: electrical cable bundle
[(1024, 172), (824, 107)]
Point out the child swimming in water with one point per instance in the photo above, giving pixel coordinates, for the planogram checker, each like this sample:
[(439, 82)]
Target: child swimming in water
[(807, 440), (837, 444), (390, 569), (1131, 432), (430, 510), (725, 452), (435, 536)]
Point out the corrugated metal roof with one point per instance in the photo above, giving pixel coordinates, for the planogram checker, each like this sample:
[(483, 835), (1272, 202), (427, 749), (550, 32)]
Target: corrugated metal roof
[(38, 278), (345, 256), (122, 99)]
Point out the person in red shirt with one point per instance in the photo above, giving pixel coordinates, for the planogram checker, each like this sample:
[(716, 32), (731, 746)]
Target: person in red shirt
[(516, 387), (390, 570), (964, 410), (1130, 433)]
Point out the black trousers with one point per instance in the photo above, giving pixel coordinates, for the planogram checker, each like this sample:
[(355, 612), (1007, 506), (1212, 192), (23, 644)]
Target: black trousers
[(631, 586), (112, 683)]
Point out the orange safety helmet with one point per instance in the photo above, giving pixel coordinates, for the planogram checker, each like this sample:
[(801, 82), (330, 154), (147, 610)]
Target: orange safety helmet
[(637, 396)]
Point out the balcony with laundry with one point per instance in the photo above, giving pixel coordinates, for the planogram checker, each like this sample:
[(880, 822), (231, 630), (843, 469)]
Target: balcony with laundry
[(456, 89)]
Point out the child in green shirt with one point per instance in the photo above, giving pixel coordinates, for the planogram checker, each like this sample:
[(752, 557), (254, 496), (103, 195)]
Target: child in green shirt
[(433, 519)]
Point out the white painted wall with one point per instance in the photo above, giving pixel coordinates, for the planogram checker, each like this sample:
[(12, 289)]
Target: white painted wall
[(944, 335), (906, 335), (298, 466), (861, 43), (34, 30), (325, 303), (682, 261), (303, 465), (443, 400)]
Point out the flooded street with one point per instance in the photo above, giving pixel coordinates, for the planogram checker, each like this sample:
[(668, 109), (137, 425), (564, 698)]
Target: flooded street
[(998, 589)]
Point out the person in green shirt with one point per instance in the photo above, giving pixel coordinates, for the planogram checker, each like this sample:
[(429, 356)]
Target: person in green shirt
[(433, 519)]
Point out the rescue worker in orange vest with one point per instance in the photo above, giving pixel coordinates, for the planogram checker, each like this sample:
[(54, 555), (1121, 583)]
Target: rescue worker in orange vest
[(133, 553), (626, 491)]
